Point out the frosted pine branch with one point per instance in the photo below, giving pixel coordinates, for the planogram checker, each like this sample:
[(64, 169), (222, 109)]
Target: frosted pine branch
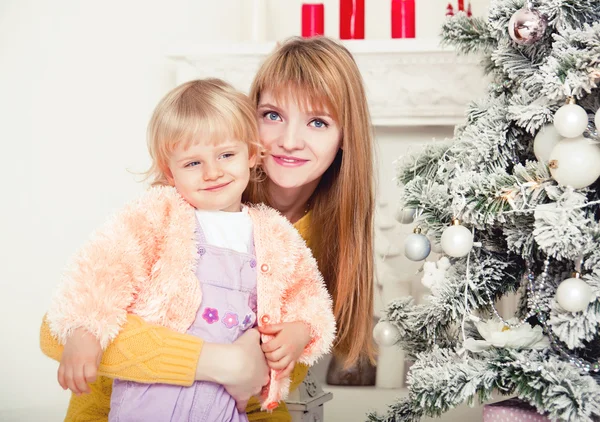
[(468, 35)]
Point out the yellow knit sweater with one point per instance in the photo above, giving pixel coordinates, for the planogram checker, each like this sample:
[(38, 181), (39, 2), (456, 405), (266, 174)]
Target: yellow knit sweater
[(152, 354)]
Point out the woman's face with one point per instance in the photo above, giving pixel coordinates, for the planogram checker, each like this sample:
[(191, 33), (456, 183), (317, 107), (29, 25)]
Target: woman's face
[(300, 145)]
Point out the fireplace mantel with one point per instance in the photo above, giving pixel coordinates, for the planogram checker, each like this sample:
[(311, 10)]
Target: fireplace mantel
[(409, 82)]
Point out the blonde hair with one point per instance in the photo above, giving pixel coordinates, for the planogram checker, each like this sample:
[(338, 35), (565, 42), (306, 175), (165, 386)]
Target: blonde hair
[(208, 110), (320, 72)]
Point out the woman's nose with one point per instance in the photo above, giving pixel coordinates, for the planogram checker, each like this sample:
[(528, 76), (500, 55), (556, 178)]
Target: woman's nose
[(291, 139)]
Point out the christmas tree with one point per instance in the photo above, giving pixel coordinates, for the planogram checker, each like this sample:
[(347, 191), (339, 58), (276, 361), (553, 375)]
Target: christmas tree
[(514, 202)]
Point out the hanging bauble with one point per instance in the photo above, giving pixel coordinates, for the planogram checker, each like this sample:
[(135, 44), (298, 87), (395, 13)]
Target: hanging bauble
[(545, 140), (570, 120), (527, 26), (597, 120), (405, 215), (457, 240), (385, 333), (416, 246), (575, 162), (574, 294)]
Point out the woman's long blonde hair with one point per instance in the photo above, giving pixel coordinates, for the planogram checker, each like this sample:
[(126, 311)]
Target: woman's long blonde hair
[(320, 72)]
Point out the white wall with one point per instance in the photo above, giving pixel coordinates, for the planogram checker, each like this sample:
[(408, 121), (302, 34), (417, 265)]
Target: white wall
[(78, 81)]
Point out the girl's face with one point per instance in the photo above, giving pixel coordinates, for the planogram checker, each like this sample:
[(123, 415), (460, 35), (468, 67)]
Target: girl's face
[(301, 145), (212, 176)]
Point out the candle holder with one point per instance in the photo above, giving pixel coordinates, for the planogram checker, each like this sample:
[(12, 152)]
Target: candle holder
[(403, 19), (352, 19), (313, 19)]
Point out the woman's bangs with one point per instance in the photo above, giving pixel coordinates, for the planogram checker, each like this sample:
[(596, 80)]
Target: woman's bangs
[(289, 79)]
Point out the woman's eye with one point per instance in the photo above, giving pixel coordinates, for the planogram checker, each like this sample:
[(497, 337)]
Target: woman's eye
[(271, 115), (318, 123)]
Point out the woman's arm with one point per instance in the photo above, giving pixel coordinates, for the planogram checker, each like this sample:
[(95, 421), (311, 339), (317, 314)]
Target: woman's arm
[(148, 353), (142, 353)]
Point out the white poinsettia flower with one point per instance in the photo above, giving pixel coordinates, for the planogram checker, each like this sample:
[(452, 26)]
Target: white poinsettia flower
[(496, 334)]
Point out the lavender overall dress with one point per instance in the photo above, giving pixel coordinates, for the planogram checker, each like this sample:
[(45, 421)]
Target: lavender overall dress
[(228, 308)]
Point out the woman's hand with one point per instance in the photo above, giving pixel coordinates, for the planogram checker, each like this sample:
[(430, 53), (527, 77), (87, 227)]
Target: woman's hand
[(80, 361), (240, 367), (286, 347)]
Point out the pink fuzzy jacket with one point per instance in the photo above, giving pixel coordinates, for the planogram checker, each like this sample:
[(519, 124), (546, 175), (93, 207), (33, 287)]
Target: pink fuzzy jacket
[(143, 262)]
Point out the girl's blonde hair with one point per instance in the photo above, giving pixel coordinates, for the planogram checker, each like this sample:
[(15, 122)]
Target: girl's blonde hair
[(206, 110), (319, 72)]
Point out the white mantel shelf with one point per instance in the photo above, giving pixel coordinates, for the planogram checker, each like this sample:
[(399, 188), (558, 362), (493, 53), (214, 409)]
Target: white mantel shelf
[(410, 82)]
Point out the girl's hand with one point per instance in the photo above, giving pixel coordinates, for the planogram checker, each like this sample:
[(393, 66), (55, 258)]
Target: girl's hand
[(80, 361), (282, 351)]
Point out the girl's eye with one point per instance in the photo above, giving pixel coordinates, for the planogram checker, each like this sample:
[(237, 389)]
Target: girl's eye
[(272, 115), (227, 155), (192, 164), (318, 123)]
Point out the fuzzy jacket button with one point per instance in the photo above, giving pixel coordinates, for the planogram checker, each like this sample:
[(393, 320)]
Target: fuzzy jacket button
[(265, 268), (265, 319)]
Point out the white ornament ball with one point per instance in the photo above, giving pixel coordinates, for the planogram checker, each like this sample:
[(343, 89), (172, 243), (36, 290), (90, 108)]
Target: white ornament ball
[(457, 241), (405, 215), (570, 120), (545, 140), (385, 334), (575, 162), (597, 121), (574, 294), (417, 247)]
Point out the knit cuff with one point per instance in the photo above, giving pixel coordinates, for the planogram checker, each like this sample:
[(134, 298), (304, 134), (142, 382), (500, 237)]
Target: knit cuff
[(179, 358)]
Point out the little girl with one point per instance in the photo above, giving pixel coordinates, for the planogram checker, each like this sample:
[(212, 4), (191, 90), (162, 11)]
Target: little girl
[(189, 256)]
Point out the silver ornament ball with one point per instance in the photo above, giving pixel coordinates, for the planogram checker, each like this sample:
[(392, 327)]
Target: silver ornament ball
[(417, 247), (526, 26), (405, 215), (457, 241), (385, 334), (575, 162), (571, 120), (574, 294)]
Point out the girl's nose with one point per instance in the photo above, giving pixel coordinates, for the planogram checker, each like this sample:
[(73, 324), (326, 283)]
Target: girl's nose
[(212, 171)]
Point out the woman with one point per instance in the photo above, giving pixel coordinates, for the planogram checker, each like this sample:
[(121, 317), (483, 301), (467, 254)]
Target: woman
[(314, 123)]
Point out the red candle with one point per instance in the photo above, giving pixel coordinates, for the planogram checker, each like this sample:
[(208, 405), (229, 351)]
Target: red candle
[(313, 19), (403, 18), (461, 5), (352, 19)]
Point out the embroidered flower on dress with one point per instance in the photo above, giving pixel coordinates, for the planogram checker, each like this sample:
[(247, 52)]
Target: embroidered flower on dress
[(210, 315), (247, 321), (230, 320)]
